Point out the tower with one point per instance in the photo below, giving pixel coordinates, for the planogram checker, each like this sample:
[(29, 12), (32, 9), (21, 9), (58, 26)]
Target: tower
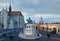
[(4, 17), (41, 21), (10, 8)]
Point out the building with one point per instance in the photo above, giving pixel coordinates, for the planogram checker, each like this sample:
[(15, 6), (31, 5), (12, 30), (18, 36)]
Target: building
[(11, 19), (41, 21), (49, 27)]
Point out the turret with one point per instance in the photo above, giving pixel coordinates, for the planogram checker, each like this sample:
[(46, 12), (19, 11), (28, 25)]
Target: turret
[(4, 17)]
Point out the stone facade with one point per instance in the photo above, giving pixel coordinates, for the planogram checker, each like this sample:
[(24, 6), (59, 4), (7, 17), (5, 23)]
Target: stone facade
[(11, 19), (49, 27)]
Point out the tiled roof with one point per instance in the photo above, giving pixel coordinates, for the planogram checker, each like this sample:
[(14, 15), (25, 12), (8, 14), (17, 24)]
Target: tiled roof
[(15, 13)]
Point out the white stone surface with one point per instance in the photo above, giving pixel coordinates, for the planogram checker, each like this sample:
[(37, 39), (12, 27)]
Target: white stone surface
[(30, 29), (30, 32), (4, 17), (23, 36), (9, 21)]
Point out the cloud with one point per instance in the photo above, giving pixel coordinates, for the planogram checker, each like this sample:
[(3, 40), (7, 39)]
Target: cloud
[(48, 9), (38, 15), (33, 1), (43, 15), (4, 4), (46, 17)]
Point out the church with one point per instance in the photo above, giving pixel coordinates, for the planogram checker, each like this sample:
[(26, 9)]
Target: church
[(11, 19)]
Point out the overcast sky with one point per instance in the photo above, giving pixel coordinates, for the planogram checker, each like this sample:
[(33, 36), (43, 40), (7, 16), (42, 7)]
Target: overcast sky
[(48, 9)]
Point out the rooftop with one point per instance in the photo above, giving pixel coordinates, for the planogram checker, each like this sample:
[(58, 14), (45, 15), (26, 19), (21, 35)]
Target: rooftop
[(15, 13)]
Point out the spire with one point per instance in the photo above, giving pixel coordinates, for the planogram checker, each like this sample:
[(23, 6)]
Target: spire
[(10, 6), (41, 20)]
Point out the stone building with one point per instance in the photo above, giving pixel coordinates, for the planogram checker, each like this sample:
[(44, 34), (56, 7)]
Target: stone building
[(11, 19), (49, 27)]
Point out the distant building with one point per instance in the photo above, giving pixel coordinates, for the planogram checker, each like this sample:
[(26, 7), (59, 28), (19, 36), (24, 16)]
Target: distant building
[(50, 27), (41, 21), (11, 19)]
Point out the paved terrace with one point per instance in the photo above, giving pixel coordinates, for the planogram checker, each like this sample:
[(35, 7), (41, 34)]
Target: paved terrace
[(16, 32)]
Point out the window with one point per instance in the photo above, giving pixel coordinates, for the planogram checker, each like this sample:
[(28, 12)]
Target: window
[(29, 26), (26, 26), (8, 23), (50, 28), (16, 22), (58, 30)]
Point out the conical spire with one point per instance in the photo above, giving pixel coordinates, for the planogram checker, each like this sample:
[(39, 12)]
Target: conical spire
[(10, 6)]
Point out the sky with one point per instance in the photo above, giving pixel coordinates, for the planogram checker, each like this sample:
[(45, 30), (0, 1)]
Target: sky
[(48, 9)]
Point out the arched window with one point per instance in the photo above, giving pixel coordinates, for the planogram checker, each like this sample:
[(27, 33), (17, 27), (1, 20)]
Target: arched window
[(16, 22), (26, 26), (2, 25), (50, 29), (29, 26), (58, 30), (8, 23)]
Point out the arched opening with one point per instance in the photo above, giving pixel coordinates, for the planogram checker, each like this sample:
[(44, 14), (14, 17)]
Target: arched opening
[(54, 29)]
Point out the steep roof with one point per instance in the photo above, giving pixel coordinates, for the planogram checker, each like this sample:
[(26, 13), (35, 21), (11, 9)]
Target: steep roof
[(15, 13)]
